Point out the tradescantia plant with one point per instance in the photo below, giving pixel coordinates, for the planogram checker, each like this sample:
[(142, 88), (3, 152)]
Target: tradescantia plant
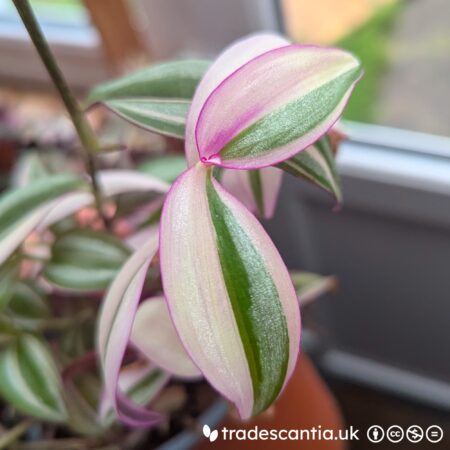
[(229, 294), (192, 286)]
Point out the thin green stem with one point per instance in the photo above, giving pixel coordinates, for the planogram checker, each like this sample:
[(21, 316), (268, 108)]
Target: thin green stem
[(85, 133), (14, 434)]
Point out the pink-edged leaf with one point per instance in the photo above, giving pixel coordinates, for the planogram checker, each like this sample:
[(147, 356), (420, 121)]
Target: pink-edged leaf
[(138, 239), (114, 329), (228, 61), (22, 230), (139, 382), (114, 182), (68, 205), (275, 105), (24, 208), (229, 293), (155, 337), (257, 189)]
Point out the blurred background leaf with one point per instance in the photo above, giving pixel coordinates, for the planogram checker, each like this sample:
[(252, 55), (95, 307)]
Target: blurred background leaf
[(85, 260), (30, 380)]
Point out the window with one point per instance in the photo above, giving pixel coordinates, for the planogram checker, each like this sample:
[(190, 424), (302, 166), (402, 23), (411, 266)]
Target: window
[(75, 41), (404, 47)]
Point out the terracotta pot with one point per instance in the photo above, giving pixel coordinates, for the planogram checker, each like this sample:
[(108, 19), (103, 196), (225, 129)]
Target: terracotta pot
[(306, 403)]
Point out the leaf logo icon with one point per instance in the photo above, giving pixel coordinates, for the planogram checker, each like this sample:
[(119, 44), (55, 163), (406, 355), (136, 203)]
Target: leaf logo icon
[(214, 435), (211, 435)]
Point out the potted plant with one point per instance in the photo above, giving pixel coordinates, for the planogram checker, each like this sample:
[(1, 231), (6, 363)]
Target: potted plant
[(162, 272)]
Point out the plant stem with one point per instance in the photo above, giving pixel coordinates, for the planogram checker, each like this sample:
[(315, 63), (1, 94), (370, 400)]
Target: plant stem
[(85, 133), (15, 433)]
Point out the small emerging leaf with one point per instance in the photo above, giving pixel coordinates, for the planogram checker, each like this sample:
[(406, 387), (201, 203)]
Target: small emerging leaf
[(30, 380), (317, 165), (85, 260), (310, 286)]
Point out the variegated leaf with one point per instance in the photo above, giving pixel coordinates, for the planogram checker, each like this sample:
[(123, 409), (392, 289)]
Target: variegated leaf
[(114, 329), (23, 209), (30, 381), (156, 98), (257, 189), (222, 273), (162, 116), (85, 260), (28, 307), (111, 183), (155, 337), (274, 106), (228, 61), (317, 165), (139, 382)]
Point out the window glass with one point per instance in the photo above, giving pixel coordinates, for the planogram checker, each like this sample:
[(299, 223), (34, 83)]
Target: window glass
[(404, 47), (62, 20)]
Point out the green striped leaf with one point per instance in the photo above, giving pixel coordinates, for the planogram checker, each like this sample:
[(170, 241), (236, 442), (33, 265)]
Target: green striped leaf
[(162, 116), (23, 209), (16, 204), (8, 275), (221, 272), (30, 381), (82, 394), (28, 306), (83, 417), (156, 98), (317, 165), (85, 260)]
